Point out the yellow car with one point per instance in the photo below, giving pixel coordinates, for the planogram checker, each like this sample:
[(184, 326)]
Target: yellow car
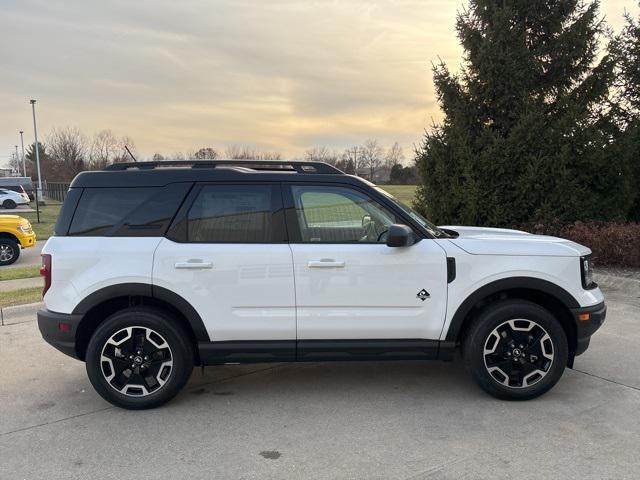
[(15, 233)]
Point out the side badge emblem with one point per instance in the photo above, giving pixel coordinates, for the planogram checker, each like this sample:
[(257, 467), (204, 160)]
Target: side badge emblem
[(423, 295)]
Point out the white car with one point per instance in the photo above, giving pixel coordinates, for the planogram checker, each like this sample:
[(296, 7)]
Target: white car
[(10, 199), (157, 267)]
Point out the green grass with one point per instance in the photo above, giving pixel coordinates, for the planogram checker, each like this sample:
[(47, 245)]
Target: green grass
[(48, 215), (20, 297), (404, 193), (18, 273)]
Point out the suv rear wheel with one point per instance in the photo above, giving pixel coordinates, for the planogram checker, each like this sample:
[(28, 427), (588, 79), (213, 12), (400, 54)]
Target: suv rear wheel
[(139, 358), (9, 251), (515, 350)]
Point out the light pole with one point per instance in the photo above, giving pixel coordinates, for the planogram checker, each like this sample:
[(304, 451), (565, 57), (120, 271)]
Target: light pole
[(17, 161), (24, 162), (35, 133)]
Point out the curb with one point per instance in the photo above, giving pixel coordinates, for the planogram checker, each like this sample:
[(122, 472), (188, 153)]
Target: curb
[(19, 313)]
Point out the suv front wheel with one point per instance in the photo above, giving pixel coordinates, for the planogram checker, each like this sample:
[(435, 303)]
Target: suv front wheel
[(139, 358), (515, 350)]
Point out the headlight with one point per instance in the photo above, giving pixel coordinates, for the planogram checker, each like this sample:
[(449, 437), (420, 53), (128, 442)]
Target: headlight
[(25, 228), (586, 273)]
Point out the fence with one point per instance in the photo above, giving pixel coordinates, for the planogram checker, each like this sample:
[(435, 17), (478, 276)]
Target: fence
[(55, 191)]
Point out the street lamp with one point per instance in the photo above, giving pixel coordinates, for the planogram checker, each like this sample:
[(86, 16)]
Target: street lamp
[(24, 162), (35, 133), (17, 161)]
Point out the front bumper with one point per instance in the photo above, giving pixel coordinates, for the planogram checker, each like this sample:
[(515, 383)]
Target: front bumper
[(59, 330), (27, 240), (588, 320)]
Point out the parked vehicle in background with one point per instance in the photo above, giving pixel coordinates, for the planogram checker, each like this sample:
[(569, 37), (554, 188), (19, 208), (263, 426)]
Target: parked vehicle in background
[(157, 267), (15, 233), (25, 182), (18, 189), (10, 199)]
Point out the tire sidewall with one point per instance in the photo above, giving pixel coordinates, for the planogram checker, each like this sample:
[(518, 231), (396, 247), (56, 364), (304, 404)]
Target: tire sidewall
[(16, 251), (178, 340), (494, 316)]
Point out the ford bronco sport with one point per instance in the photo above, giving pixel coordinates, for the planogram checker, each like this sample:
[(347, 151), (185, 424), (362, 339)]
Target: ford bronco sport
[(157, 267)]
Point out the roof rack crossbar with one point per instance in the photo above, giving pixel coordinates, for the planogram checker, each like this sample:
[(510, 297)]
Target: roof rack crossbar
[(270, 165)]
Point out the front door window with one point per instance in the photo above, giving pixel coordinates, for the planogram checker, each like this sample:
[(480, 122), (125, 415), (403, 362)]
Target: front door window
[(330, 214)]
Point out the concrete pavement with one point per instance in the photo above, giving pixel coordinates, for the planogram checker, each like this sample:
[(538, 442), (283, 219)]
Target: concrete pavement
[(29, 256), (395, 420)]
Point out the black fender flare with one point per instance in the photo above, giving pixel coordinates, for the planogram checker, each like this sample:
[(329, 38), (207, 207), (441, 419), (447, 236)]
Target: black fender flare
[(504, 284), (146, 290)]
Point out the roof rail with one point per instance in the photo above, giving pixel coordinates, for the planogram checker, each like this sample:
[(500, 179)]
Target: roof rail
[(271, 165)]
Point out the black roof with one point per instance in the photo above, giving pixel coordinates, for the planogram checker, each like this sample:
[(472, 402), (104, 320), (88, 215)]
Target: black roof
[(156, 174)]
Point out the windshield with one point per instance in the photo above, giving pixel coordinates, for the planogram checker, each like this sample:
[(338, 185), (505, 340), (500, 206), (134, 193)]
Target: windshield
[(423, 222)]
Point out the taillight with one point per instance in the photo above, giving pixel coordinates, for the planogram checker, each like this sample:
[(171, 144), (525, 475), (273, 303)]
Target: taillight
[(45, 272)]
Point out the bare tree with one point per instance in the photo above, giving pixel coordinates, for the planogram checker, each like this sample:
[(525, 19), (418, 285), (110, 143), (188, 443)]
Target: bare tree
[(157, 157), (321, 154), (372, 157), (351, 160), (269, 156), (123, 155), (14, 163), (68, 148), (205, 153), (235, 152), (394, 156), (104, 148)]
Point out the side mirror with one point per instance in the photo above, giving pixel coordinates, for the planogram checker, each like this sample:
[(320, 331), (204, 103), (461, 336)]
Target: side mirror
[(400, 236)]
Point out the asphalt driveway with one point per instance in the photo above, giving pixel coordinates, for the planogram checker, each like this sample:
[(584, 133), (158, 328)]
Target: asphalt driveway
[(401, 420)]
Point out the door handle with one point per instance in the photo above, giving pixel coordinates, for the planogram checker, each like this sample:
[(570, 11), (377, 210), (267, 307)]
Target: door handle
[(325, 263), (193, 265)]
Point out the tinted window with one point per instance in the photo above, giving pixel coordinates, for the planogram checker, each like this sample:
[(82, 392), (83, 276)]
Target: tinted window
[(340, 214), (126, 211), (18, 189), (231, 213), (154, 216)]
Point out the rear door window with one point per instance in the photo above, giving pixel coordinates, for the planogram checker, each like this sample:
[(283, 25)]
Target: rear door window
[(233, 214)]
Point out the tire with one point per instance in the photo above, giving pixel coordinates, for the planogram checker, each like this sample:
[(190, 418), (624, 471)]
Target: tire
[(9, 204), (166, 359), (9, 251), (508, 371)]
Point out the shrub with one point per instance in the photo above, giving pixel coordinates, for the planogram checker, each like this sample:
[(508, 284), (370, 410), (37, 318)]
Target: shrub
[(614, 244)]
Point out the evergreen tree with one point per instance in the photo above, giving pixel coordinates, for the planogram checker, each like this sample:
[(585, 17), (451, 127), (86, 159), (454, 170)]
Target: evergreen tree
[(525, 136), (626, 51)]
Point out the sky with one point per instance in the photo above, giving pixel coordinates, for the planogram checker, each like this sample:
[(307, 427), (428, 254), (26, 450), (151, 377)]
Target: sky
[(276, 75)]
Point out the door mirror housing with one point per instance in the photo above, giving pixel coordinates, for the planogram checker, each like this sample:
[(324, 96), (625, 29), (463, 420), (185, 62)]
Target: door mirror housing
[(400, 236)]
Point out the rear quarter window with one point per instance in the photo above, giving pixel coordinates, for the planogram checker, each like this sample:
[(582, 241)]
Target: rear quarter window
[(128, 212)]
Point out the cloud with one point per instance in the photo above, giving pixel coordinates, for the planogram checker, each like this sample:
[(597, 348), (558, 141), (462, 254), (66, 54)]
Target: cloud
[(279, 74)]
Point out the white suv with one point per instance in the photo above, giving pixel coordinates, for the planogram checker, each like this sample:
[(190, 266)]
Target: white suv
[(157, 267), (10, 199)]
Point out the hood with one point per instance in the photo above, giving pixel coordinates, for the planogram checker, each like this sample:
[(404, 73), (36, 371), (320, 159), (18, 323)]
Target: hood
[(502, 241)]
